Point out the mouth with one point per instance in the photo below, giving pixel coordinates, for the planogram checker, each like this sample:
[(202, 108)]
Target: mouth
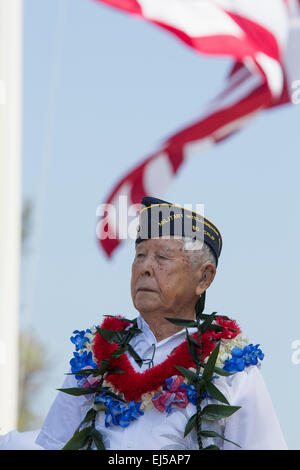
[(145, 289)]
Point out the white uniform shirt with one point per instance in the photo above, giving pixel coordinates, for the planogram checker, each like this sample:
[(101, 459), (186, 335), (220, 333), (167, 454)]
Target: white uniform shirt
[(254, 426)]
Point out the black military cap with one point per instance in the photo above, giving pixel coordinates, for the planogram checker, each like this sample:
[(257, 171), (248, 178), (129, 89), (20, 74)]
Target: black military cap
[(159, 218)]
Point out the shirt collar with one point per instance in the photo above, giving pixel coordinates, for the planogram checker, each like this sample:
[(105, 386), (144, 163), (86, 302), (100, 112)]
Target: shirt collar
[(144, 326)]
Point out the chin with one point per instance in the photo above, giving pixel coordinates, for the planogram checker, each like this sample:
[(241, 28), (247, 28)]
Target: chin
[(145, 307)]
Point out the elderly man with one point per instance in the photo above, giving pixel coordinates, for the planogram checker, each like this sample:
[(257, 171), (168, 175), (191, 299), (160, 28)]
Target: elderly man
[(174, 378)]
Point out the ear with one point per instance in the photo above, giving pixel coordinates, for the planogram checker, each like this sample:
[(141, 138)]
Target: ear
[(205, 274)]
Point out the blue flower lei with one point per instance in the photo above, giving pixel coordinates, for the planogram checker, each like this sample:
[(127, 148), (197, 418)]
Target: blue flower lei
[(121, 414)]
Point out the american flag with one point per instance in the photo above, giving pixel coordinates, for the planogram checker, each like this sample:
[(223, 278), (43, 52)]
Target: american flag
[(262, 37)]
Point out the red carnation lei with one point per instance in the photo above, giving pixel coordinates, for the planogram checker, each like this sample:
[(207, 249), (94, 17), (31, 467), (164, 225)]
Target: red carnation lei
[(134, 384)]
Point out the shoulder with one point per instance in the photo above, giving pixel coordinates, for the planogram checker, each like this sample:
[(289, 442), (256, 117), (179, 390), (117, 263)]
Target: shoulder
[(235, 351), (237, 354), (238, 365), (88, 345), (83, 356)]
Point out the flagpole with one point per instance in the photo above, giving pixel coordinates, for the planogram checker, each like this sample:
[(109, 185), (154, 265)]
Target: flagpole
[(10, 206)]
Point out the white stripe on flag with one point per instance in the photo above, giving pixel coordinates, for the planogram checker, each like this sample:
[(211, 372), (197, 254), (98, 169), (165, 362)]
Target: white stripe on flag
[(192, 149), (157, 175), (235, 95), (235, 125), (186, 14), (273, 71), (271, 14)]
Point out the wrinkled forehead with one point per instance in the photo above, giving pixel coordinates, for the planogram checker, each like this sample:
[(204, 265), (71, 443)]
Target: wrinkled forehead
[(165, 243)]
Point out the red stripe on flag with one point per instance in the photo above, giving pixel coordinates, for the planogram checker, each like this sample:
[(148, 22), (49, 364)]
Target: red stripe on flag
[(131, 6), (213, 126), (254, 37), (259, 39), (247, 92)]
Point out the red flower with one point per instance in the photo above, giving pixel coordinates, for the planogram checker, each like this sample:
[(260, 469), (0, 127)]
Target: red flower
[(134, 384), (228, 325)]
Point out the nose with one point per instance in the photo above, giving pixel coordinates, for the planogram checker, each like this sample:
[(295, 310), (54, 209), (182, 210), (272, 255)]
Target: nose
[(147, 266)]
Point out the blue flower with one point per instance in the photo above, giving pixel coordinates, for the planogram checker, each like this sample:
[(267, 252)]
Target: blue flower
[(119, 413), (80, 339), (242, 358), (252, 354), (79, 361), (190, 392)]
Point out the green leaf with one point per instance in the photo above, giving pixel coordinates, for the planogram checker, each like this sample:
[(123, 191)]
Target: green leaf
[(112, 394), (103, 367), (105, 333), (135, 356), (222, 372), (120, 337), (207, 323), (216, 328), (190, 424), (189, 374), (79, 439), (194, 341), (100, 407), (204, 433), (108, 335), (210, 365), (97, 437), (84, 372), (215, 393), (182, 322), (205, 316), (201, 387), (134, 331), (88, 417), (192, 348), (125, 340), (77, 391), (200, 304), (212, 447), (118, 352), (115, 396), (215, 412), (115, 370)]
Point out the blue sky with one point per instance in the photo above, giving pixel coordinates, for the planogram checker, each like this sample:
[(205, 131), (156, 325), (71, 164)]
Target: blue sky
[(102, 90)]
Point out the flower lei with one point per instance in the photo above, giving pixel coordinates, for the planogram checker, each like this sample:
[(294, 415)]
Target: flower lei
[(101, 367)]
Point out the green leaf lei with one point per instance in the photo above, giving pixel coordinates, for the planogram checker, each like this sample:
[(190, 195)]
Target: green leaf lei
[(86, 434)]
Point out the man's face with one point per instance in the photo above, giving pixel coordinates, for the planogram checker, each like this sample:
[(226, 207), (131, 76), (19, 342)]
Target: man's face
[(162, 279)]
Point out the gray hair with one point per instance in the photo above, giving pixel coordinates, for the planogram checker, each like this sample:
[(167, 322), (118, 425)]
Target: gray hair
[(198, 252)]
